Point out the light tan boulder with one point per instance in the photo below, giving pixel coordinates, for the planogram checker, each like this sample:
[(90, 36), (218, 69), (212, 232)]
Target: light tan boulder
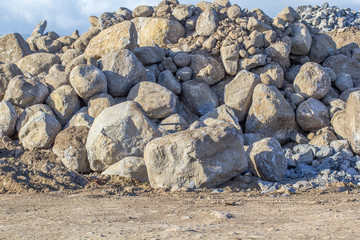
[(207, 23), (120, 36), (29, 112), (156, 100), (13, 47), (83, 41), (8, 117), (98, 103), (230, 56), (206, 69), (204, 157), (119, 131), (56, 77), (221, 114), (37, 63), (279, 53), (174, 123), (238, 93), (270, 114), (271, 74)]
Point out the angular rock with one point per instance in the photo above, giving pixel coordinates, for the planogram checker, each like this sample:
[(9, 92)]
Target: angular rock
[(271, 74), (70, 148), (108, 19), (37, 63), (312, 81), (39, 131), (80, 119), (29, 112), (143, 11), (129, 167), (270, 114), (157, 101), (8, 118), (182, 12), (343, 64), (301, 39), (221, 114), (119, 131), (279, 52), (87, 81), (120, 36), (230, 57), (56, 77), (149, 55), (288, 14), (253, 61), (238, 93), (64, 102), (13, 47), (123, 71), (322, 47), (97, 103), (206, 69), (312, 115), (174, 123), (267, 160), (234, 11), (23, 91), (204, 157), (255, 24), (167, 80), (198, 97), (207, 23), (83, 41)]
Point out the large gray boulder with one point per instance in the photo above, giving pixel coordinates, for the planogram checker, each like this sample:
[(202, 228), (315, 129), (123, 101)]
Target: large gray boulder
[(39, 131), (312, 115), (149, 55), (343, 64), (204, 157), (157, 101), (322, 47), (271, 74), (279, 53), (13, 47), (238, 93), (56, 77), (37, 63), (119, 131), (8, 118), (23, 91), (270, 114), (267, 160), (312, 81), (230, 57), (123, 71), (198, 97), (301, 39)]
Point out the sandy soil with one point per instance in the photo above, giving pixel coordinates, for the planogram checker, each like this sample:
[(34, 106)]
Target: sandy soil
[(345, 36), (180, 215)]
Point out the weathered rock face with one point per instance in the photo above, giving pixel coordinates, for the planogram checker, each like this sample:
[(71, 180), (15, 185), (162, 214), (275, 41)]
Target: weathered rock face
[(301, 39), (23, 91), (279, 53), (123, 71), (322, 47), (238, 93), (343, 64), (81, 119), (167, 80), (70, 148), (39, 131), (288, 14), (158, 31), (149, 55), (120, 36), (221, 114), (204, 157), (37, 63), (270, 114), (352, 120), (267, 160), (64, 102), (230, 57), (98, 103), (83, 41), (312, 81), (29, 112), (8, 118), (13, 47), (174, 123), (199, 98), (206, 69), (312, 115), (271, 74), (207, 22), (56, 77), (143, 11), (157, 101), (88, 80), (130, 167), (119, 131)]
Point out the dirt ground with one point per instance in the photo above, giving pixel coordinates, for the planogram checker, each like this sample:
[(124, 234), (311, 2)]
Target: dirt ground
[(180, 215), (345, 36)]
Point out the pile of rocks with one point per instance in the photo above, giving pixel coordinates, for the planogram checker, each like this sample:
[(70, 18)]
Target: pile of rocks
[(326, 18), (186, 96)]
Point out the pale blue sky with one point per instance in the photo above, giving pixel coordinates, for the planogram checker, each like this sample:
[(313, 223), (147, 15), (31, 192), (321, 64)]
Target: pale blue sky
[(65, 16)]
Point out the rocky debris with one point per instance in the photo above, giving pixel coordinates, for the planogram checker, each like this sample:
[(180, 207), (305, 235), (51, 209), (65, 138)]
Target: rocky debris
[(70, 148), (119, 131), (129, 167), (13, 47), (205, 157)]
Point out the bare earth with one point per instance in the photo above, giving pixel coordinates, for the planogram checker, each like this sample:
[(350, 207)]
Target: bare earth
[(180, 215)]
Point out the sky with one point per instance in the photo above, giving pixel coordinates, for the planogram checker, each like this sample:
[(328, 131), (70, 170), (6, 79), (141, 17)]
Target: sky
[(66, 16)]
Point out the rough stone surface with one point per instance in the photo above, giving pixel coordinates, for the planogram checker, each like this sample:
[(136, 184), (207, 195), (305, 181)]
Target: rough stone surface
[(312, 115), (312, 81), (83, 41), (167, 80), (238, 93), (343, 64), (270, 114), (120, 36), (230, 57), (29, 112), (205, 157), (149, 55), (199, 98), (8, 117), (56, 77), (123, 71), (157, 101), (39, 131), (87, 81), (119, 131), (174, 123), (322, 47), (301, 39), (130, 167), (267, 160), (97, 103), (223, 113), (279, 52), (207, 23), (37, 63), (70, 148), (271, 74), (13, 47), (206, 69)]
